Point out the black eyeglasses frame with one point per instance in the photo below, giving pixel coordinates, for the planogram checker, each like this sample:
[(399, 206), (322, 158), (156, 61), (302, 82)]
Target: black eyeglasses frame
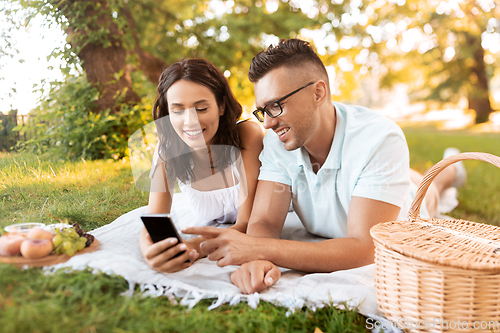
[(278, 101)]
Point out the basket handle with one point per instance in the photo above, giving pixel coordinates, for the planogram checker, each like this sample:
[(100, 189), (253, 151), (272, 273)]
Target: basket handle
[(414, 211)]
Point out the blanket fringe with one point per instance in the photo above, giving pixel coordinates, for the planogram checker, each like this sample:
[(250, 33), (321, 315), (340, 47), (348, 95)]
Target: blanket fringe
[(131, 289), (221, 299), (191, 297)]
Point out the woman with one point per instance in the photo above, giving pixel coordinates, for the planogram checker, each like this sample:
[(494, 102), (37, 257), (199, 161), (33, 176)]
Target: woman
[(202, 147)]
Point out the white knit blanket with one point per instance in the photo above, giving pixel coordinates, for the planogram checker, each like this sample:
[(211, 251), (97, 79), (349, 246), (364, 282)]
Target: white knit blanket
[(119, 254)]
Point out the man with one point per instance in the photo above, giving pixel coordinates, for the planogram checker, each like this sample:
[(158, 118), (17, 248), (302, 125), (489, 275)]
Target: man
[(345, 169)]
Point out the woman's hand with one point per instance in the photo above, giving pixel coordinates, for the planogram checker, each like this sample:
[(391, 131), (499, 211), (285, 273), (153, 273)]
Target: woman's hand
[(160, 256)]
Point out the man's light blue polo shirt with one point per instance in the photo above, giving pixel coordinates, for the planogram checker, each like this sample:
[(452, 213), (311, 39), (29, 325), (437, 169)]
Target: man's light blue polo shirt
[(369, 158)]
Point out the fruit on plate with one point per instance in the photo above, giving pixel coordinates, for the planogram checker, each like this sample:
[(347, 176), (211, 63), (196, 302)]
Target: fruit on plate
[(90, 239), (68, 241), (36, 248), (10, 244), (39, 233)]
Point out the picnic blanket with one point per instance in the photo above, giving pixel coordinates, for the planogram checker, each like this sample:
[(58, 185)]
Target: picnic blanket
[(119, 254)]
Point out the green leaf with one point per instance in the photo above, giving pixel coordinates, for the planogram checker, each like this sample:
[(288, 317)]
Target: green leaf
[(17, 128)]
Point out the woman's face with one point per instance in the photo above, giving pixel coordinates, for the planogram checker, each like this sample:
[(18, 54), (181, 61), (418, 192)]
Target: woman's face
[(193, 112)]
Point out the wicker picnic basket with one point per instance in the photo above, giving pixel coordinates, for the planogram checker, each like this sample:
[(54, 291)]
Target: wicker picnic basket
[(436, 275)]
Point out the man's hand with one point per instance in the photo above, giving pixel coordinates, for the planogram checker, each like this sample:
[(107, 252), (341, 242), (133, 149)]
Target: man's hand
[(255, 276), (227, 246), (160, 256)]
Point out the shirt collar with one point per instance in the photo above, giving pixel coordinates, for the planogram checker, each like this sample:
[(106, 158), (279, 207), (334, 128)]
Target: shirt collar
[(334, 158)]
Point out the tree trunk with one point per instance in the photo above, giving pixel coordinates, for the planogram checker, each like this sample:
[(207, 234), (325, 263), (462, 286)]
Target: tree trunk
[(150, 65), (105, 64), (478, 92), (101, 61)]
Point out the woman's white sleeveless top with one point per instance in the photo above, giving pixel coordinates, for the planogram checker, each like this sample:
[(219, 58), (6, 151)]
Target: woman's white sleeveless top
[(219, 205)]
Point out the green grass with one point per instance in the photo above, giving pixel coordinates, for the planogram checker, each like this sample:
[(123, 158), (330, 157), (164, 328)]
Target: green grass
[(94, 193), (480, 197), (84, 302)]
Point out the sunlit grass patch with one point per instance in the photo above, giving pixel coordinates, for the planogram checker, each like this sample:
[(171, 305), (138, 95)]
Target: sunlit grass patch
[(92, 193), (480, 197)]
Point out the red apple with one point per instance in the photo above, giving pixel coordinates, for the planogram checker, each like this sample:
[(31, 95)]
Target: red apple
[(36, 248), (10, 244), (39, 233)]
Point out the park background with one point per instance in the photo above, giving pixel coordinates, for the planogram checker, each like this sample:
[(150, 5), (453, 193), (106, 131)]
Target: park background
[(430, 65)]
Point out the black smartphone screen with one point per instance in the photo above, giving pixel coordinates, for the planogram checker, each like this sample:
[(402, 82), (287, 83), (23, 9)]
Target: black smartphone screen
[(160, 226)]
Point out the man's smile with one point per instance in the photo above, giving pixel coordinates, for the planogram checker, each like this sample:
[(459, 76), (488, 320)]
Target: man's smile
[(281, 132)]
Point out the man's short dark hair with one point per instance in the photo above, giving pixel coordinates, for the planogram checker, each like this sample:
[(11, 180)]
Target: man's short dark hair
[(289, 52)]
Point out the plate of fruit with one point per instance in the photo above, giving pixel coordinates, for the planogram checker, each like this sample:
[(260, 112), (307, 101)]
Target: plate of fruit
[(38, 245)]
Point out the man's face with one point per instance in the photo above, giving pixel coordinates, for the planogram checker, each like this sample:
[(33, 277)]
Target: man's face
[(297, 122)]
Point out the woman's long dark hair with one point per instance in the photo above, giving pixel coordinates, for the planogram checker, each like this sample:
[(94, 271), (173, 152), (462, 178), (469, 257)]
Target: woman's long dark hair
[(172, 149)]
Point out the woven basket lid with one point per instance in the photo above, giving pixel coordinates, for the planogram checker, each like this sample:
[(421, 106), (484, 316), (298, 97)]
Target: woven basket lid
[(456, 243)]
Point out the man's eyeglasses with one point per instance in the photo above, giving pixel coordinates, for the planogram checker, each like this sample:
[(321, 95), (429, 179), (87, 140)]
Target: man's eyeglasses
[(275, 109)]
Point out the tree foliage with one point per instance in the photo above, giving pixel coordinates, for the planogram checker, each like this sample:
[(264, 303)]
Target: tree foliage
[(112, 39), (439, 47), (122, 46), (69, 128)]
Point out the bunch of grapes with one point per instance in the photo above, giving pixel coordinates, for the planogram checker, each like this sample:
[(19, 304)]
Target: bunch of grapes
[(68, 241), (79, 230)]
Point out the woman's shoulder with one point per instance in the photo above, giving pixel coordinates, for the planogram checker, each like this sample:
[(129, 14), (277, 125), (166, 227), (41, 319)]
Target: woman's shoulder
[(250, 132)]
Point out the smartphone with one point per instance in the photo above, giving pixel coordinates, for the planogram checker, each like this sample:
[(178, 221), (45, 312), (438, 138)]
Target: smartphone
[(161, 226)]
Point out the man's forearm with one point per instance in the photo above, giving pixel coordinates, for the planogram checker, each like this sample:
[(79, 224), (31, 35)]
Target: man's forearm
[(321, 257)]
